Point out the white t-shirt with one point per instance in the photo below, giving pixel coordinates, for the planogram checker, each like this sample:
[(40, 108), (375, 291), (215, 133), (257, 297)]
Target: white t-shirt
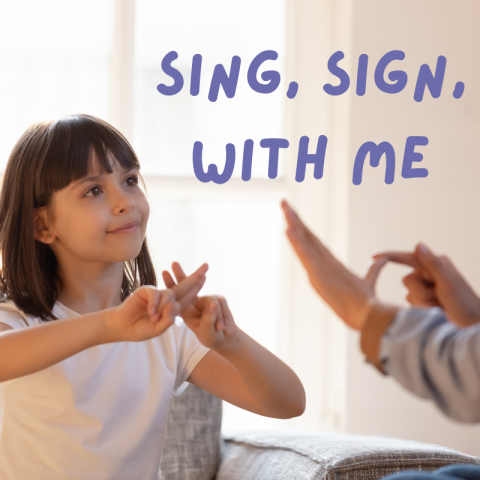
[(98, 415)]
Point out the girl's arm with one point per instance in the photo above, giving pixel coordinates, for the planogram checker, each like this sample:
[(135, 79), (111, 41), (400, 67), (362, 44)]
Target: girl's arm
[(29, 350), (247, 375), (238, 369), (145, 314)]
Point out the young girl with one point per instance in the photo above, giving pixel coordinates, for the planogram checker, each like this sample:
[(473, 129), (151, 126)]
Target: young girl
[(89, 350)]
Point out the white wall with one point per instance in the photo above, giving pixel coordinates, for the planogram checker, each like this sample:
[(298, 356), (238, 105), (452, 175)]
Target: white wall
[(442, 209)]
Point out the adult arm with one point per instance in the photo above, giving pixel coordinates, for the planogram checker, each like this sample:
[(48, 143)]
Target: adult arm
[(428, 355)]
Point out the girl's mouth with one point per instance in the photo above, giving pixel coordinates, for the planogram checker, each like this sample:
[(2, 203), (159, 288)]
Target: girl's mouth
[(126, 230)]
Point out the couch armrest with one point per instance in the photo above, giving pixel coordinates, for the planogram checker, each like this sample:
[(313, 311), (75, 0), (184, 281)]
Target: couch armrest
[(318, 456)]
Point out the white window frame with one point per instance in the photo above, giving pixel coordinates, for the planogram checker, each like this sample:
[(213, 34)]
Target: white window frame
[(310, 339)]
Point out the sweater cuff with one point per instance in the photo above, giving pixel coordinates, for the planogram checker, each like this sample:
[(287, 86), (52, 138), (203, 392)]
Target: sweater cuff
[(378, 320)]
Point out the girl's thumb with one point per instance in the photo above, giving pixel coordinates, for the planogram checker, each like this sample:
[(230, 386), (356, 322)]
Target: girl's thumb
[(210, 312)]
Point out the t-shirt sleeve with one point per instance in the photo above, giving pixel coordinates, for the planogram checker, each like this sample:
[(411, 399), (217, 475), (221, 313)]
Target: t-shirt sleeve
[(190, 352), (12, 317)]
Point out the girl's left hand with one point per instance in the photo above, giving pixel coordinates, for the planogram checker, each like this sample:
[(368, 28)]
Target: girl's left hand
[(209, 317)]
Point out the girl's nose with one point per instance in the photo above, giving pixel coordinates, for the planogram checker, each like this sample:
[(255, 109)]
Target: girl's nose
[(124, 201)]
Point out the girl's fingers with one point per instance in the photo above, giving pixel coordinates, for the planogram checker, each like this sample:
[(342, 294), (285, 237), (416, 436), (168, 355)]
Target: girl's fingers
[(153, 297), (189, 282), (167, 279), (167, 318), (186, 299), (178, 271), (210, 314), (220, 320), (170, 311), (167, 296), (226, 313)]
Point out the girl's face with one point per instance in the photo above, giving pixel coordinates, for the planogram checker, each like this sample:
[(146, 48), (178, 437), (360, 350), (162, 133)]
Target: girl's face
[(83, 215)]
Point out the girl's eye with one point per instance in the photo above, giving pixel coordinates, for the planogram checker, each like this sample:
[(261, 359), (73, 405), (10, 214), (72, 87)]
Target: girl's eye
[(96, 187), (135, 180), (91, 190)]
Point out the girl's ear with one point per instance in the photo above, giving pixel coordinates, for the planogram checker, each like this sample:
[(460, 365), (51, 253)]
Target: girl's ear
[(40, 229)]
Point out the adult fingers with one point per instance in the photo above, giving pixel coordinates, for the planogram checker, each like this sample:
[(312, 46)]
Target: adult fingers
[(416, 302), (302, 232), (290, 215), (420, 292), (373, 269), (190, 282), (438, 267), (294, 222), (301, 247), (404, 258), (315, 257)]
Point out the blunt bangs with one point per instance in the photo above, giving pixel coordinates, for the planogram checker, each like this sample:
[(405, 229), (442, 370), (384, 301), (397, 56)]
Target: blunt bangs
[(71, 143)]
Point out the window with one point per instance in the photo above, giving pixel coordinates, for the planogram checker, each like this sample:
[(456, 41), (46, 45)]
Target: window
[(235, 227), (104, 58), (54, 58)]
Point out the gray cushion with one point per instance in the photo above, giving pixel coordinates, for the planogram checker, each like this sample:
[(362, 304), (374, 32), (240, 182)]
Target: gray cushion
[(192, 442), (313, 456)]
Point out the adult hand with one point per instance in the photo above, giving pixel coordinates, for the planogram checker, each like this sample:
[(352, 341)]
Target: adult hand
[(349, 296), (435, 281)]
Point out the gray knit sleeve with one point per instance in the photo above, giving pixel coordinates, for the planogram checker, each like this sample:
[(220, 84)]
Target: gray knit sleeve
[(434, 359)]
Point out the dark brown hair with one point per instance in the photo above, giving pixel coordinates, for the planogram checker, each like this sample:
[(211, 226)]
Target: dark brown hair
[(47, 158)]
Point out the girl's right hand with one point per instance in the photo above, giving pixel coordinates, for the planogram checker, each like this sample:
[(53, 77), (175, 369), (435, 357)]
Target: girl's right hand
[(148, 311)]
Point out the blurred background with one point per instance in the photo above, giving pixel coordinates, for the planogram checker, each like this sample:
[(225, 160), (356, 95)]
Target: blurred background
[(103, 57)]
